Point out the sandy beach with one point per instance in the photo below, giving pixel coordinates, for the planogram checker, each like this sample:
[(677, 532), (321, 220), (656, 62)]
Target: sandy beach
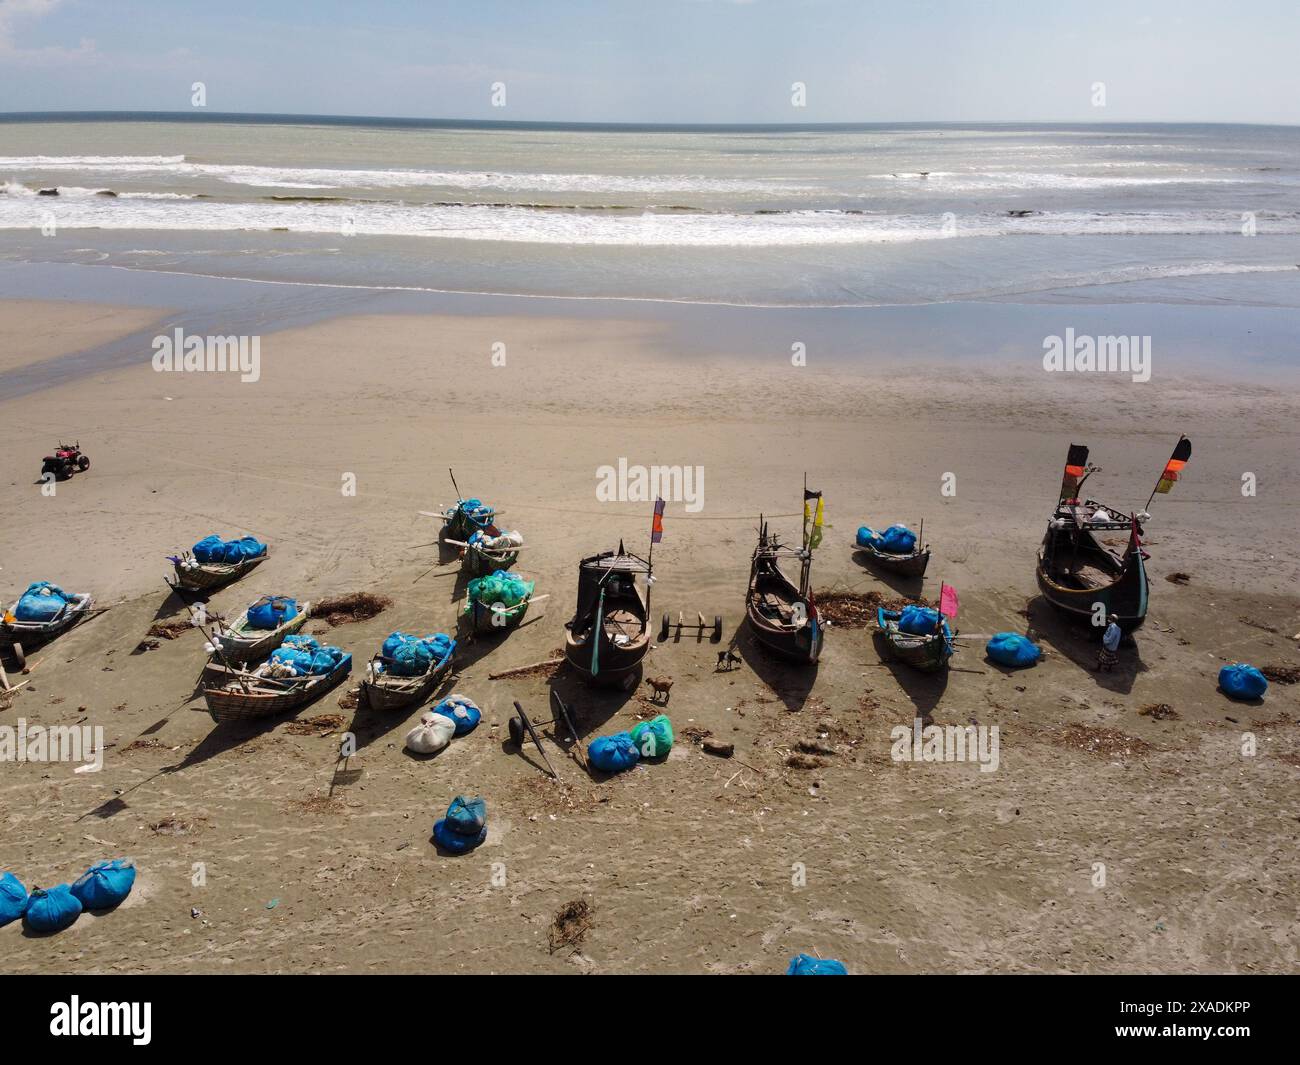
[(699, 864)]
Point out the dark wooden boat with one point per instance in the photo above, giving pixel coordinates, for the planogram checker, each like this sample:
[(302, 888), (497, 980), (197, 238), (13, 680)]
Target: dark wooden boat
[(234, 694), (490, 618), (609, 635), (928, 653), (240, 642), (782, 614), (384, 691), (194, 576), (1076, 572), (904, 565), (466, 516)]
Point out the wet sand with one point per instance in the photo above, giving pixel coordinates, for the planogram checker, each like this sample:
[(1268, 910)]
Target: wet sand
[(690, 864)]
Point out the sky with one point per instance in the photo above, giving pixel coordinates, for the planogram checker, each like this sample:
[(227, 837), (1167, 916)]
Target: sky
[(673, 61)]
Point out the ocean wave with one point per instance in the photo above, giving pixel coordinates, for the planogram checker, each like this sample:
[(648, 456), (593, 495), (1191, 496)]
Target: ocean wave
[(328, 178), (644, 229)]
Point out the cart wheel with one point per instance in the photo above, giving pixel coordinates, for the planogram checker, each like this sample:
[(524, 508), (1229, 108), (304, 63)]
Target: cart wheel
[(663, 632), (83, 463), (516, 730), (717, 627)]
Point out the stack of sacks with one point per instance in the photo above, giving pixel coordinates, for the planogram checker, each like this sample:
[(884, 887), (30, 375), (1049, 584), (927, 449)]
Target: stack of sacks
[(302, 656), (412, 656), (272, 611), (502, 586), (103, 886), (896, 540), (42, 602), (476, 511), (503, 542), (215, 549), (464, 827), (455, 716), (1012, 649), (613, 754)]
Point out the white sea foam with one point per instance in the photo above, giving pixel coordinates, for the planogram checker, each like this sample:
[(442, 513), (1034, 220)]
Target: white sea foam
[(648, 229)]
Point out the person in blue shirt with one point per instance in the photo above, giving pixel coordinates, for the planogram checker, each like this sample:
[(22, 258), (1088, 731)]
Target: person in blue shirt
[(1108, 654)]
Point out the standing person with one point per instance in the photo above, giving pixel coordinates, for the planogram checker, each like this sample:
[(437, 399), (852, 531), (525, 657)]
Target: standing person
[(1108, 655)]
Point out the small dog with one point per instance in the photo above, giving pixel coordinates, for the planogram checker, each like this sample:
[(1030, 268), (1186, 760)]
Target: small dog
[(727, 659), (662, 686)]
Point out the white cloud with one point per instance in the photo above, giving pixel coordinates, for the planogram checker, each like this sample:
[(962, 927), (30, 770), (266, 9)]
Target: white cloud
[(15, 12)]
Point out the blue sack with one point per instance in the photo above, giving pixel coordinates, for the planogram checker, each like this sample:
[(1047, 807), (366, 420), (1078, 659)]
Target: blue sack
[(918, 620), (13, 898), (804, 965), (272, 611), (1012, 649), (454, 841), (1242, 682), (897, 540), (467, 817), (34, 605), (866, 537), (244, 548), (209, 549), (105, 884), (462, 713), (52, 910), (411, 658), (613, 754)]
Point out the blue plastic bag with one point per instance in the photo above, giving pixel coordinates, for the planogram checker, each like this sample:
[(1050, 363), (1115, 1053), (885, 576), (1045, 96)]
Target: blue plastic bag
[(897, 540), (806, 965), (454, 841), (613, 754), (467, 817), (918, 620), (463, 713), (272, 611), (1242, 682), (209, 549), (1012, 649), (105, 884), (13, 898), (52, 910), (36, 605), (866, 536)]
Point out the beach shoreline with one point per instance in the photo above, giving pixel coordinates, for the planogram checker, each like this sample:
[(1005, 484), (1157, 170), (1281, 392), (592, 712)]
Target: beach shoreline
[(910, 868)]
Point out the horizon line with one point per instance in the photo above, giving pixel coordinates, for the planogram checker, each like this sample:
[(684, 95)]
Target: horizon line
[(276, 117)]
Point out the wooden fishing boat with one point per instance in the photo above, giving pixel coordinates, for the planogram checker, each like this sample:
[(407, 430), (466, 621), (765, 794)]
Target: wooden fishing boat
[(609, 635), (382, 690), (242, 643), (912, 564), (782, 614), (1077, 573), (234, 694), (492, 618), (34, 633), (195, 576), (927, 653), (482, 560)]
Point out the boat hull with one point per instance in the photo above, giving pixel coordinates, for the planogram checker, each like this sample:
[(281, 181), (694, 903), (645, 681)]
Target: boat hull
[(1124, 598), (209, 575), (34, 633), (385, 692), (928, 654), (232, 704), (913, 565)]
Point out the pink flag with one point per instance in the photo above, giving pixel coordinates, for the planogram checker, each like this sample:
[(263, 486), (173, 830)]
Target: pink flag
[(948, 600)]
